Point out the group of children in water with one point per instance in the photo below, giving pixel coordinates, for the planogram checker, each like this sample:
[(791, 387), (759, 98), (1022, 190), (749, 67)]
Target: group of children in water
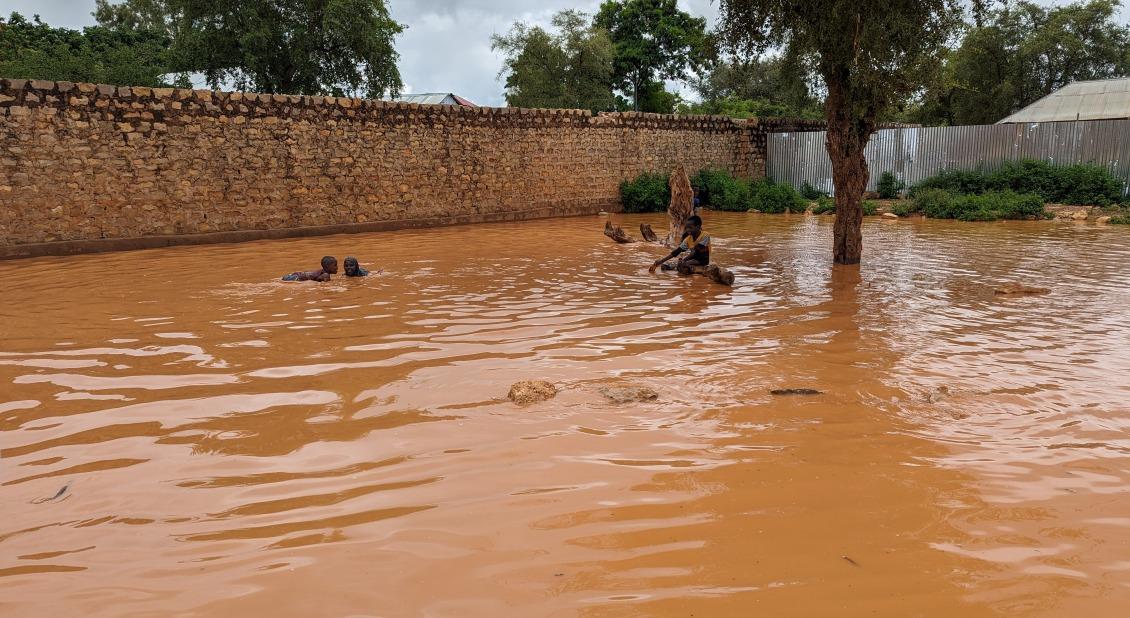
[(329, 267), (696, 243)]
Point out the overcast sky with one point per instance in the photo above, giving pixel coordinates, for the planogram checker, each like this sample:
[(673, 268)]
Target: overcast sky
[(446, 46)]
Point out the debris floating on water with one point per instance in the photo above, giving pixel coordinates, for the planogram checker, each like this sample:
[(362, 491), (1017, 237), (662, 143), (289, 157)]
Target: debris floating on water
[(850, 561), (795, 391), (58, 495), (1018, 289), (615, 232)]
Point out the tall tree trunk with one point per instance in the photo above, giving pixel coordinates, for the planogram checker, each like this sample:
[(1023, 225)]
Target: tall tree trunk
[(847, 136)]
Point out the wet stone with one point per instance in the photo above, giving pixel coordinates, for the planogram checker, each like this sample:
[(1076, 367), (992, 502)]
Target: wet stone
[(531, 391), (628, 394)]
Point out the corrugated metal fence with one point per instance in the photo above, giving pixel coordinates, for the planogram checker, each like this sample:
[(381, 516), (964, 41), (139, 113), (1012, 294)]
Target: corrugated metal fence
[(914, 154)]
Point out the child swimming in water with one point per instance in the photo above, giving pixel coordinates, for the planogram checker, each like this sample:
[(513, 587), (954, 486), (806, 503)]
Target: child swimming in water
[(329, 267), (353, 268)]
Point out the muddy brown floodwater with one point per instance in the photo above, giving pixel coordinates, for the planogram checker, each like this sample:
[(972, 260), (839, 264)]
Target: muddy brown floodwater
[(183, 435)]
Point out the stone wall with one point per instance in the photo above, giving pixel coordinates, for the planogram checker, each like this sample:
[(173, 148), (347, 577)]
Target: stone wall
[(88, 167)]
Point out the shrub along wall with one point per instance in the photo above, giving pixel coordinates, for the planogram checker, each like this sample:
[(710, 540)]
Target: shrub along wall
[(88, 167)]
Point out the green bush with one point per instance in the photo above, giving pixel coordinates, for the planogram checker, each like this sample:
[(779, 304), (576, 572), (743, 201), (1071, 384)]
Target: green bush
[(936, 203), (1081, 184), (719, 190), (1087, 185), (889, 186), (954, 181), (810, 192), (1121, 219), (905, 209), (824, 205), (772, 197), (990, 206), (647, 192)]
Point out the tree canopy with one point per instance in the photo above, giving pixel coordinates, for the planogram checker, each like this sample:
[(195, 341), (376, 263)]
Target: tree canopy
[(773, 85), (31, 49), (1021, 52), (654, 41), (570, 69), (334, 47)]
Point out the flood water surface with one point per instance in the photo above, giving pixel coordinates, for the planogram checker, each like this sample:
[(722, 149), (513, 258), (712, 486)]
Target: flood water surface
[(181, 434)]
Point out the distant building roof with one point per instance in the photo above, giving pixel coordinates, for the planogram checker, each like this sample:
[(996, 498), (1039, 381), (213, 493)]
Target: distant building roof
[(1102, 99), (435, 98)]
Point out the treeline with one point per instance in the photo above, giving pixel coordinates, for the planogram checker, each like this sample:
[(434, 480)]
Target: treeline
[(327, 47), (1005, 59)]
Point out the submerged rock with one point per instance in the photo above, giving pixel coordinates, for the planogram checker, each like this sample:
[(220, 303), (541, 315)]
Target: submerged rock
[(626, 394), (1018, 289), (795, 391), (531, 391)]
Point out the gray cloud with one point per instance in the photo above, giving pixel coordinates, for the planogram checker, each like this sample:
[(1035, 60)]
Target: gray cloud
[(446, 47)]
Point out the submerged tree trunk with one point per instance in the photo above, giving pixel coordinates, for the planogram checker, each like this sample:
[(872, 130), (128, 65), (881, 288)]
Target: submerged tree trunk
[(846, 138)]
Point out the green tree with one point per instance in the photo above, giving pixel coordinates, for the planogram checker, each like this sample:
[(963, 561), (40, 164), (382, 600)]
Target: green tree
[(35, 50), (1022, 52), (569, 69), (653, 41), (333, 47), (777, 85), (870, 54)]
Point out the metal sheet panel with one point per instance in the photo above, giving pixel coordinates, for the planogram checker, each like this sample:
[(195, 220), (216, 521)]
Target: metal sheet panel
[(915, 154)]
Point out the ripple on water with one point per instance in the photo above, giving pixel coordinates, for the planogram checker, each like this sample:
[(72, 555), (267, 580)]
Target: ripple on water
[(227, 443)]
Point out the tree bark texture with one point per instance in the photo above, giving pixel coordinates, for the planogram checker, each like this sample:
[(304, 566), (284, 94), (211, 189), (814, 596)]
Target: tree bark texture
[(681, 205), (847, 136)]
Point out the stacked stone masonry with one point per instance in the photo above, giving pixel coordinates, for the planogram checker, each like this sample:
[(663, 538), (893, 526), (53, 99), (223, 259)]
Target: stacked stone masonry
[(80, 163)]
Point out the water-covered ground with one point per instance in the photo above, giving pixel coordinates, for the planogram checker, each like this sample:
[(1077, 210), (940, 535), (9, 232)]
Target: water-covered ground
[(181, 434)]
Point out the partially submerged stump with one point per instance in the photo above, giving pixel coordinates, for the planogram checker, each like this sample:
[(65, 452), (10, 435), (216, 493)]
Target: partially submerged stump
[(615, 232), (531, 391), (648, 233), (681, 206)]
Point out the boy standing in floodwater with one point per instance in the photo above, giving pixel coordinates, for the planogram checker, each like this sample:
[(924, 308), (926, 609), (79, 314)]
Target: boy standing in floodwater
[(329, 267), (695, 241)]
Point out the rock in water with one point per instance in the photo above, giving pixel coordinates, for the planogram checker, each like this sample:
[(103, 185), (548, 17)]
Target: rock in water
[(1019, 289), (795, 391), (625, 394), (648, 233), (681, 206), (531, 391), (720, 275), (615, 232), (890, 215)]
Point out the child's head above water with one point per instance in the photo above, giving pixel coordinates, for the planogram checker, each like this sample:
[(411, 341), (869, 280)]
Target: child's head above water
[(329, 264), (353, 268), (693, 225)]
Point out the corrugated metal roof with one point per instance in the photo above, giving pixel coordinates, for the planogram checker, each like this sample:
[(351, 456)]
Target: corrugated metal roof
[(1103, 99), (435, 98)]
